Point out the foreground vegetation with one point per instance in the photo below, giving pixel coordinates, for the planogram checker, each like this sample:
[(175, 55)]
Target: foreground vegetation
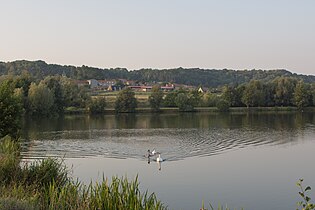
[(46, 184)]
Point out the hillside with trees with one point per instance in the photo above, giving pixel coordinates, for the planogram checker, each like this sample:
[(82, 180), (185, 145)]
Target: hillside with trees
[(192, 76)]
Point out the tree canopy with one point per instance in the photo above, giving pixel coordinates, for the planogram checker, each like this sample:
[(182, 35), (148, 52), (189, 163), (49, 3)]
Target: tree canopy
[(10, 110), (191, 76)]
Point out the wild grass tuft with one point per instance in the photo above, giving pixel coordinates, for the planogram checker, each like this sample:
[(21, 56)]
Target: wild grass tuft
[(46, 184)]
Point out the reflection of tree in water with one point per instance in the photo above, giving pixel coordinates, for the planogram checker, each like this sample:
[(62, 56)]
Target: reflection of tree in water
[(125, 121), (192, 133)]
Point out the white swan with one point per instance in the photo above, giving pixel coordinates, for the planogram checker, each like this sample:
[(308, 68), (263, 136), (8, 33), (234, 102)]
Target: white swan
[(159, 159), (150, 154), (153, 152)]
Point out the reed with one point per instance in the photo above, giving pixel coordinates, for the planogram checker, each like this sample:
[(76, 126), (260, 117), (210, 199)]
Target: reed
[(46, 184)]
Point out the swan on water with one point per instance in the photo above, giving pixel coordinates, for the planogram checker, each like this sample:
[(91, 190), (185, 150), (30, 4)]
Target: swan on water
[(153, 153), (159, 159)]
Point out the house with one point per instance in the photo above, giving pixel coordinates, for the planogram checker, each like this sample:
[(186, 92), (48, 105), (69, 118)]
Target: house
[(114, 88), (201, 90), (93, 83), (81, 83), (146, 88)]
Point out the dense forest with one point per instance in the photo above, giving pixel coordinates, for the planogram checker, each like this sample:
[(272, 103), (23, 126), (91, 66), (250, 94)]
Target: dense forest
[(192, 76)]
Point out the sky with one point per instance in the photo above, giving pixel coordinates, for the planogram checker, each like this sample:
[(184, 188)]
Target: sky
[(135, 34)]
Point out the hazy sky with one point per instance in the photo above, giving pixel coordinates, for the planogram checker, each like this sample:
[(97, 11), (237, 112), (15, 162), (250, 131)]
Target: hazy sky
[(234, 34)]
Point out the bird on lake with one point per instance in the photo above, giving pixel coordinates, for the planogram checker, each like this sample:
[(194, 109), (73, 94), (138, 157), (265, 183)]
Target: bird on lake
[(150, 154), (159, 159)]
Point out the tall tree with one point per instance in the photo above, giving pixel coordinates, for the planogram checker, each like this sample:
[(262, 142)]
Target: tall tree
[(184, 102), (301, 96), (126, 101), (156, 98), (97, 105), (231, 95), (41, 99), (253, 94), (10, 111), (284, 89), (55, 86)]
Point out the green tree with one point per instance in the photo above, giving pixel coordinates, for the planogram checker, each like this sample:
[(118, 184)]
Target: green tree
[(253, 94), (184, 102), (126, 101), (41, 99), (231, 95), (74, 96), (55, 86), (156, 98), (10, 111), (284, 89), (223, 105), (209, 99), (312, 94), (301, 96), (97, 105), (169, 100), (196, 97)]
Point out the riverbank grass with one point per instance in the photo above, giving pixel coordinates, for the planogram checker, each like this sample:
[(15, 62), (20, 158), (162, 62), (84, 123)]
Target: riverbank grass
[(46, 184)]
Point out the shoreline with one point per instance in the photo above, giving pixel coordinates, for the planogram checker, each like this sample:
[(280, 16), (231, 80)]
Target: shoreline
[(164, 110)]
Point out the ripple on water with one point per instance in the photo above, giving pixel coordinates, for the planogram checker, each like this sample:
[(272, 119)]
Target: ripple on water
[(174, 144)]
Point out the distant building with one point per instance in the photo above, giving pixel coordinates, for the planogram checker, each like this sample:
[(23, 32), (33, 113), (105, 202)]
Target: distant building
[(81, 83), (93, 83), (106, 83), (201, 90), (114, 88), (144, 88)]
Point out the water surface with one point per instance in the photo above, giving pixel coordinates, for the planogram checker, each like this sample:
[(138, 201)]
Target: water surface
[(244, 160)]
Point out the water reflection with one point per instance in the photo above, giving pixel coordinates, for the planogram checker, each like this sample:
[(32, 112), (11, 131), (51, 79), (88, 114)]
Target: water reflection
[(193, 134)]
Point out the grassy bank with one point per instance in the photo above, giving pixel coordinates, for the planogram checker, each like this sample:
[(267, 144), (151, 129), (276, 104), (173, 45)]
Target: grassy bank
[(46, 184)]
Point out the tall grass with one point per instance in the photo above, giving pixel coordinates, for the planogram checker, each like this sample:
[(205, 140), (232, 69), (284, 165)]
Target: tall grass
[(46, 184)]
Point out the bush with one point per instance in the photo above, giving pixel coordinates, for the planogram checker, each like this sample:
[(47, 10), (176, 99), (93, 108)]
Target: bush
[(223, 105), (97, 105), (46, 184), (126, 101)]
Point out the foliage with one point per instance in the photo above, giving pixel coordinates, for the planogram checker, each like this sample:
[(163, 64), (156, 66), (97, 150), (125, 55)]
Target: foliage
[(97, 105), (58, 91), (169, 100), (156, 98), (46, 184), (74, 96), (209, 100), (10, 110), (192, 76), (284, 89), (9, 160), (305, 204), (301, 96), (232, 95), (41, 99), (223, 105), (253, 94), (125, 101), (196, 97), (184, 102)]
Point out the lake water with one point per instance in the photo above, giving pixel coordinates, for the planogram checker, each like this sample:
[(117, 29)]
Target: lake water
[(249, 161)]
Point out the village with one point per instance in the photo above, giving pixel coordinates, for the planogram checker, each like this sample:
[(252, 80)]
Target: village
[(99, 86)]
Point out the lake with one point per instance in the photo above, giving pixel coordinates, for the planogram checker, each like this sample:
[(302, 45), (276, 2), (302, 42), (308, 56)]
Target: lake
[(244, 160)]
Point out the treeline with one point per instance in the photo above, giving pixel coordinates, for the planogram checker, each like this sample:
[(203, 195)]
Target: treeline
[(192, 76), (280, 92), (47, 97)]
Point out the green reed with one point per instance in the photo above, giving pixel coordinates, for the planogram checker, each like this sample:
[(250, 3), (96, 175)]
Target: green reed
[(46, 184)]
